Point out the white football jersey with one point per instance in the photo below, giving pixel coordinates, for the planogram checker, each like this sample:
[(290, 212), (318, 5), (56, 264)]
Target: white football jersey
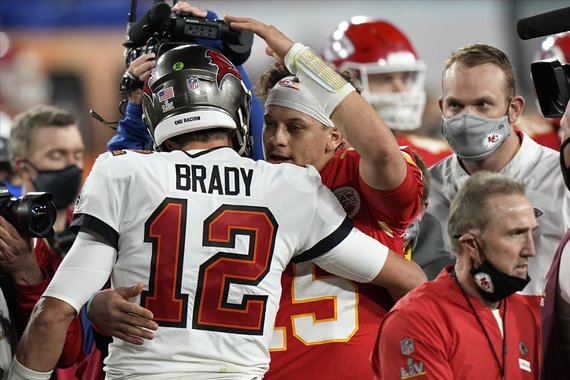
[(209, 235), (538, 168)]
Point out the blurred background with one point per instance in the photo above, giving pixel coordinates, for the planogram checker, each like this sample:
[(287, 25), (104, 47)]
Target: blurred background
[(69, 52)]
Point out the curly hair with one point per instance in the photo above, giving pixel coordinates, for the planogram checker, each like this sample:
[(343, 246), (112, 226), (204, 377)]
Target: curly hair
[(278, 71)]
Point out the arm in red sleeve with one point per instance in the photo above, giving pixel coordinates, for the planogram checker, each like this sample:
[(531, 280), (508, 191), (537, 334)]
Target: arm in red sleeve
[(408, 348), (27, 297), (400, 206)]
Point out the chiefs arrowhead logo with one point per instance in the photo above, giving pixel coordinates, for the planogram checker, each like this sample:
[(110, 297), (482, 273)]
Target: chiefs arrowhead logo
[(224, 65), (292, 83)]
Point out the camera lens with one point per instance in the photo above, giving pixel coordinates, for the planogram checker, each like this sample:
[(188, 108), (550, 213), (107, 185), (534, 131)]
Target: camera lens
[(33, 215), (40, 217)]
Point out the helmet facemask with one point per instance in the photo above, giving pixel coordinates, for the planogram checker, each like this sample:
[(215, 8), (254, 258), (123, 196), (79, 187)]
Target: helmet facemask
[(368, 47), (402, 111)]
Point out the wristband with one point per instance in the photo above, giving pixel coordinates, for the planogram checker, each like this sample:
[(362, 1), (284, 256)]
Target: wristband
[(19, 372), (88, 304), (327, 86), (290, 57)]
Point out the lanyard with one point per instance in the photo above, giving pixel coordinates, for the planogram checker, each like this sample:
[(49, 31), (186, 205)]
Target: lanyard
[(501, 367)]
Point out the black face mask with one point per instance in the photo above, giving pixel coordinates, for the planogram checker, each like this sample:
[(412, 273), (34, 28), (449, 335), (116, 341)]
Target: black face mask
[(565, 169), (494, 285), (64, 184)]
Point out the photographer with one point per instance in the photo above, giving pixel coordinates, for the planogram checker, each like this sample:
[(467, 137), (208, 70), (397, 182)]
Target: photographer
[(132, 134), (7, 175), (46, 150)]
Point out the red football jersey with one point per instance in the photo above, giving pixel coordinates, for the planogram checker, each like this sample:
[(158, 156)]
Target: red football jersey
[(429, 149), (546, 132), (326, 326)]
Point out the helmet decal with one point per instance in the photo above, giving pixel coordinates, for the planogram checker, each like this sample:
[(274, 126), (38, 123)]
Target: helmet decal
[(192, 83), (146, 87), (224, 66), (165, 94)]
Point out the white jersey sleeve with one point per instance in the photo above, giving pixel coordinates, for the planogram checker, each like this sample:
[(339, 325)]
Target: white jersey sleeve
[(345, 251), (359, 257), (87, 266)]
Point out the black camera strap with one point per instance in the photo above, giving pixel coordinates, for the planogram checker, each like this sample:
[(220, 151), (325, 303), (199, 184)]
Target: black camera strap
[(61, 242)]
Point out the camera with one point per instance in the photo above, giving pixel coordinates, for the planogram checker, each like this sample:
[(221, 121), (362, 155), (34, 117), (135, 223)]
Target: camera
[(160, 29), (33, 215), (552, 83), (551, 78)]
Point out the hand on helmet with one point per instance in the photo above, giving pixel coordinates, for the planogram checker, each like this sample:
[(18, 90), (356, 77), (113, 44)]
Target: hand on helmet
[(140, 68)]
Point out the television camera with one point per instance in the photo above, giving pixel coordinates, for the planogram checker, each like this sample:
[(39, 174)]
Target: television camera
[(551, 78), (160, 29)]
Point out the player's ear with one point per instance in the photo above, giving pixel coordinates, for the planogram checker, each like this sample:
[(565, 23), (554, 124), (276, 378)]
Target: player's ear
[(19, 164), (334, 139), (516, 106), (469, 245), (169, 146)]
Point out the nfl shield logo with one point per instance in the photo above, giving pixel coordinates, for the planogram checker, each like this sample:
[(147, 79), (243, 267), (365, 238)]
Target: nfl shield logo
[(407, 346), (192, 83)]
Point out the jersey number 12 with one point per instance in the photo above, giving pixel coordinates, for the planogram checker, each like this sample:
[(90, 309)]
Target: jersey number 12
[(166, 231)]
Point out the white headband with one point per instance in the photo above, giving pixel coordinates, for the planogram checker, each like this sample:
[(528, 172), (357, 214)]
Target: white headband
[(289, 92)]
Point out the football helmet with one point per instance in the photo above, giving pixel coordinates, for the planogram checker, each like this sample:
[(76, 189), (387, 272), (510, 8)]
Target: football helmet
[(556, 47), (367, 47), (193, 88)]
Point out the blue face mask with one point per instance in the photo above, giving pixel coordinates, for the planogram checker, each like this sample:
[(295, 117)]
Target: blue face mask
[(474, 138), (64, 184)]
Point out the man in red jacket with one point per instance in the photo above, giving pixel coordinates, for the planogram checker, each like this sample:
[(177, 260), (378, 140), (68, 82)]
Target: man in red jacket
[(468, 323)]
